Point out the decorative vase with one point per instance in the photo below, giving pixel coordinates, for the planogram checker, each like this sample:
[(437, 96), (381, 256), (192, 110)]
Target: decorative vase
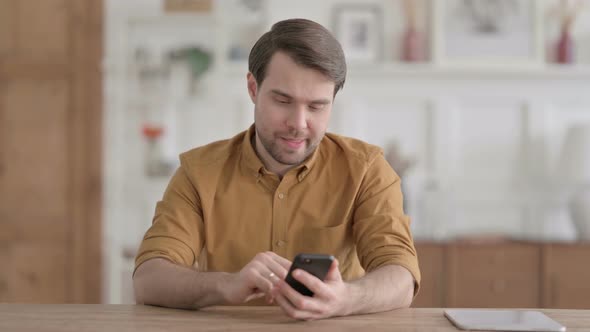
[(411, 45), (565, 47), (156, 164)]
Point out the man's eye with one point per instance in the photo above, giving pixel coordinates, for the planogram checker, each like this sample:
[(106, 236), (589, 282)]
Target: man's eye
[(316, 107), (282, 101)]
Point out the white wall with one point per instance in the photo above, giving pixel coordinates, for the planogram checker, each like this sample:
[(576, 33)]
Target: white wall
[(486, 139)]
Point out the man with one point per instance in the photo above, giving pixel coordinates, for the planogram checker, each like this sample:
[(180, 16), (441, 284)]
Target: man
[(237, 210)]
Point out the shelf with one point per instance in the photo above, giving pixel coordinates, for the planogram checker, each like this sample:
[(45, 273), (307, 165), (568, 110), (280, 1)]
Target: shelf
[(436, 71)]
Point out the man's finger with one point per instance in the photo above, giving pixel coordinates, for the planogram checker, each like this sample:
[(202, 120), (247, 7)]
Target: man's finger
[(285, 263), (254, 296), (334, 272), (310, 281), (291, 310), (299, 301), (269, 297), (262, 280), (275, 263)]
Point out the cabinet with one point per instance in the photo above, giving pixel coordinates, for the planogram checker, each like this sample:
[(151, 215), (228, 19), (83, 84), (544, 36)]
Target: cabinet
[(566, 274), (494, 275), (504, 275), (431, 258), (50, 143)]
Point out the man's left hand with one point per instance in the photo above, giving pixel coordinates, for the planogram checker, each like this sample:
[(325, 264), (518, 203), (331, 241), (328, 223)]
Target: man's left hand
[(329, 300)]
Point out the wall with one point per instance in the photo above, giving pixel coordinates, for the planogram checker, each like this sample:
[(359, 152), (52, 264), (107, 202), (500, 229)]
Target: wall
[(486, 138)]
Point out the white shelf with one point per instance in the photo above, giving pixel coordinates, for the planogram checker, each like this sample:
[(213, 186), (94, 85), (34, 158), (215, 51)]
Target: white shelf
[(440, 71), (434, 71)]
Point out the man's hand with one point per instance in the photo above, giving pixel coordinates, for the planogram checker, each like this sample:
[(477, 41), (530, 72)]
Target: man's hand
[(386, 288), (256, 279), (329, 300)]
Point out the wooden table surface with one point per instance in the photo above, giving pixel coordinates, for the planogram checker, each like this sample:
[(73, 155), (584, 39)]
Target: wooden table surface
[(122, 318)]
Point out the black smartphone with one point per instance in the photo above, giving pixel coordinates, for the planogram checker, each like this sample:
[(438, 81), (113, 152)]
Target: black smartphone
[(315, 264)]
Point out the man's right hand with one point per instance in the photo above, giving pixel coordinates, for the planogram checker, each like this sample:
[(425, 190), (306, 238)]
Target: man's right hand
[(256, 279)]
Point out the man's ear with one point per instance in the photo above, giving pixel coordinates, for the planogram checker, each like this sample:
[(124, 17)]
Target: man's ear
[(252, 87)]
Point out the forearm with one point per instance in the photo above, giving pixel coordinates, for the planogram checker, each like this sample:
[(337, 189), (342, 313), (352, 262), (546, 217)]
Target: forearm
[(162, 283), (389, 287)]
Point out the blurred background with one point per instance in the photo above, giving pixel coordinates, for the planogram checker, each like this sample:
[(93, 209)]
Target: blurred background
[(481, 106)]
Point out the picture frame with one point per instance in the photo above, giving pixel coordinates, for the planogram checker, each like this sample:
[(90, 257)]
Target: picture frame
[(188, 6), (359, 29), (246, 20), (488, 33)]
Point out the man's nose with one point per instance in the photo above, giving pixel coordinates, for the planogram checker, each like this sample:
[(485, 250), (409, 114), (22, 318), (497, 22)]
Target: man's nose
[(297, 118)]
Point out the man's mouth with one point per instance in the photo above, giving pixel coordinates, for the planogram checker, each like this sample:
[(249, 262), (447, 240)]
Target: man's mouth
[(293, 143)]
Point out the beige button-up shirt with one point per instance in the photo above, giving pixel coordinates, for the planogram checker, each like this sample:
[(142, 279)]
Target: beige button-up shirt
[(222, 207)]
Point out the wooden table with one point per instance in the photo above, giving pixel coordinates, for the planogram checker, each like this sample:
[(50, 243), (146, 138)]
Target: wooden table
[(122, 318)]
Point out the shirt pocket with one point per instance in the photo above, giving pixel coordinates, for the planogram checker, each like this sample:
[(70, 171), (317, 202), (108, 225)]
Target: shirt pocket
[(330, 240)]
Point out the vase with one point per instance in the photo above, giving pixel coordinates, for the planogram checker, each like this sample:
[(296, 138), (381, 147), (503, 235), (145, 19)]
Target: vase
[(565, 47), (412, 45)]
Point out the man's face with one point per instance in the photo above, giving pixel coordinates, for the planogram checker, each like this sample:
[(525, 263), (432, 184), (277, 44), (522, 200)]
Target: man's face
[(292, 110)]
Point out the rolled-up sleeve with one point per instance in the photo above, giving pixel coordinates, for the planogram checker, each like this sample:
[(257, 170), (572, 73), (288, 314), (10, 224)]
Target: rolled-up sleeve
[(381, 229), (176, 233)]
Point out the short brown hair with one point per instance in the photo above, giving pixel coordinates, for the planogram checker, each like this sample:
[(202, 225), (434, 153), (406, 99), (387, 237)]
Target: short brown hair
[(308, 43)]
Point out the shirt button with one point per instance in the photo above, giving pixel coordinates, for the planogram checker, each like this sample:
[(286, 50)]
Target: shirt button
[(281, 195), (280, 243)]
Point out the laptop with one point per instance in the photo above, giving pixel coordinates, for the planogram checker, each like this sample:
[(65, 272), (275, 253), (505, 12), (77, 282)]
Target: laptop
[(502, 320)]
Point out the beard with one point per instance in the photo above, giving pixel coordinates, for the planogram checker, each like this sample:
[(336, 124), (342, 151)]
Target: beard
[(284, 156)]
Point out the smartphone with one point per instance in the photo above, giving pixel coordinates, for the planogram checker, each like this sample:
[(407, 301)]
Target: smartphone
[(315, 264)]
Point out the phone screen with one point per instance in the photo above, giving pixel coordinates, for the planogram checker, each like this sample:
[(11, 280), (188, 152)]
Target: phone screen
[(315, 264)]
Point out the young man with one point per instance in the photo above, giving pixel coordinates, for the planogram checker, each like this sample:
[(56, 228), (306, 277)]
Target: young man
[(237, 210)]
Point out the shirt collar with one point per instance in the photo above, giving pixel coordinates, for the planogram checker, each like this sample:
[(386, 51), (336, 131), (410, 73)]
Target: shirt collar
[(251, 161), (254, 165)]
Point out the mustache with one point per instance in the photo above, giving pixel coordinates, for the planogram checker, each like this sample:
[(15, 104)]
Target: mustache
[(293, 135)]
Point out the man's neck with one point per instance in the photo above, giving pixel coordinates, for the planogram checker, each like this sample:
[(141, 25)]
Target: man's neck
[(267, 160)]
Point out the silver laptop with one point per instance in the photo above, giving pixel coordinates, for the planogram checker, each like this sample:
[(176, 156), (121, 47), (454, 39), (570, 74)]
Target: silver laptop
[(502, 320)]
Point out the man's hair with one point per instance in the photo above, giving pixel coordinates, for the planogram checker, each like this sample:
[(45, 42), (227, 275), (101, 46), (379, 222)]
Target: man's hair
[(308, 43)]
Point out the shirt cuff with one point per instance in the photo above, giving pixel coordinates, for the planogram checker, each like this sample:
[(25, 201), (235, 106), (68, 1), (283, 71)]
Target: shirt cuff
[(168, 248)]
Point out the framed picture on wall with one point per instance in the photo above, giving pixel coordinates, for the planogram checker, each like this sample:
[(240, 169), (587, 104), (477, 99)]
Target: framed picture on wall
[(359, 30), (488, 32)]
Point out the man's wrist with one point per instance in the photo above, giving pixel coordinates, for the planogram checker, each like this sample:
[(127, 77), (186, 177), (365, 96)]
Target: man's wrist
[(223, 287), (352, 297)]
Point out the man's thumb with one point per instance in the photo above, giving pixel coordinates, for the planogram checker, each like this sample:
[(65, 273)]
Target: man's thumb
[(333, 272)]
